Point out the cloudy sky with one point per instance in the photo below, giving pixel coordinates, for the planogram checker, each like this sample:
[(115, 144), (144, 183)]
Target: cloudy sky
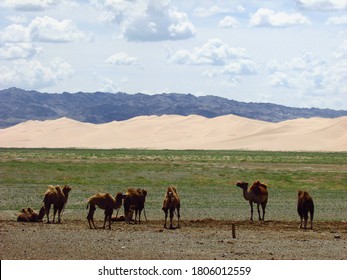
[(291, 52)]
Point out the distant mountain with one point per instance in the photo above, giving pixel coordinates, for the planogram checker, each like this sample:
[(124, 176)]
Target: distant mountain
[(17, 105)]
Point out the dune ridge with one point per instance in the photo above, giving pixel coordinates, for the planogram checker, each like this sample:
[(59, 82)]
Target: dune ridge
[(182, 132)]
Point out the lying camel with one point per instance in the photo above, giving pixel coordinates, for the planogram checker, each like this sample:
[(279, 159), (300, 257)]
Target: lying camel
[(134, 200), (305, 206), (29, 215), (58, 197), (170, 203), (103, 201), (257, 193)]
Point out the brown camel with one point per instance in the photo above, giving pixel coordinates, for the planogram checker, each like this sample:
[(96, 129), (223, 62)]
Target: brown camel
[(305, 206), (134, 200), (29, 215), (170, 203), (58, 197), (257, 193), (103, 201)]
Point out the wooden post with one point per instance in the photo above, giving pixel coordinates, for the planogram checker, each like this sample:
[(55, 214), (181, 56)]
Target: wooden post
[(233, 230)]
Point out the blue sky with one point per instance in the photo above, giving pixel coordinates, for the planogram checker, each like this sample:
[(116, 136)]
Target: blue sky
[(290, 52)]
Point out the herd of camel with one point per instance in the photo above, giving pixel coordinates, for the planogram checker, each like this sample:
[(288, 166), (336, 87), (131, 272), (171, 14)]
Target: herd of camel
[(134, 202)]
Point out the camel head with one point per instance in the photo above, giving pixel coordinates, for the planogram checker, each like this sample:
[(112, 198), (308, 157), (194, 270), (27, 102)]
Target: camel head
[(144, 192), (66, 190), (242, 184), (119, 200), (41, 213)]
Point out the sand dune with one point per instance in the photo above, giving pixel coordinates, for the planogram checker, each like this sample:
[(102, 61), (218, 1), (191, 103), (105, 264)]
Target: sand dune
[(182, 132)]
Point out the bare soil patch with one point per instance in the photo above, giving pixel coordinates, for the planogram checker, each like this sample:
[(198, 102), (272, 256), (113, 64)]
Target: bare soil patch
[(196, 239)]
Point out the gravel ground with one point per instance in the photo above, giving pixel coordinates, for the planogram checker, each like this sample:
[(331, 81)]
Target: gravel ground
[(196, 239)]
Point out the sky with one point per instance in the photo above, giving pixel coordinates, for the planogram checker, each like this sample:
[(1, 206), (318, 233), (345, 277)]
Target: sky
[(291, 52)]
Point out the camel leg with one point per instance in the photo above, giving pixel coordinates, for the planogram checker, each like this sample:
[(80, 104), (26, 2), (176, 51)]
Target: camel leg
[(165, 210), (305, 220), (90, 217), (108, 215), (136, 213), (258, 211), (301, 217), (251, 204), (263, 206), (47, 208), (178, 216), (144, 213), (59, 216), (54, 213), (311, 219), (109, 218), (139, 216), (171, 217)]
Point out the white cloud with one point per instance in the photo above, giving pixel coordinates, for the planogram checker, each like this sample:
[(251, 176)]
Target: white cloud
[(32, 74), (44, 29), (215, 10), (35, 5), (323, 5), (15, 33), (235, 68), (17, 19), (19, 51), (337, 20), (47, 29), (228, 22), (29, 5), (214, 52), (341, 51), (267, 17), (310, 75), (151, 20), (122, 58)]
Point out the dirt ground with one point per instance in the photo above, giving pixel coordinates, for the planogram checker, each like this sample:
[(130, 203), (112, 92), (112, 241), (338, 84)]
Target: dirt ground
[(196, 239)]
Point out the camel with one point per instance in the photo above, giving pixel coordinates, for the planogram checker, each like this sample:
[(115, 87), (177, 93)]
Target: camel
[(305, 206), (103, 201), (29, 215), (171, 202), (257, 193), (58, 197), (134, 200)]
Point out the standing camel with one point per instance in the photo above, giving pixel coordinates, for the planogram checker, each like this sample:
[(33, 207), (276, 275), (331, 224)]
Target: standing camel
[(58, 197), (256, 193), (134, 200), (171, 202), (305, 206), (103, 201)]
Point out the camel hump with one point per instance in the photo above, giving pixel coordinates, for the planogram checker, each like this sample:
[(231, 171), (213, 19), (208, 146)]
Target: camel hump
[(258, 188), (51, 189), (303, 194), (59, 190), (171, 190)]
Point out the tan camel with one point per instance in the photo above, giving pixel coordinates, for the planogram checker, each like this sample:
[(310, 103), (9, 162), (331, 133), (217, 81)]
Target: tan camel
[(134, 200), (257, 193), (58, 197), (170, 203), (29, 215), (305, 206), (103, 201)]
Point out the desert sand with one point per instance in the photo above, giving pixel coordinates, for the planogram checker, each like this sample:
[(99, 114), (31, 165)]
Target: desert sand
[(182, 132)]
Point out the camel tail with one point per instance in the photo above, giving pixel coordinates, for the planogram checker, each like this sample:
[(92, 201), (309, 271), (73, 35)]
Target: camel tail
[(87, 205)]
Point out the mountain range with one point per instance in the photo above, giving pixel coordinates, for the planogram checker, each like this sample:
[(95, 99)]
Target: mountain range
[(18, 105)]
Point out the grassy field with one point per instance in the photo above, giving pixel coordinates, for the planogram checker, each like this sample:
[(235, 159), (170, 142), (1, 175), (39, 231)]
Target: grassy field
[(205, 180)]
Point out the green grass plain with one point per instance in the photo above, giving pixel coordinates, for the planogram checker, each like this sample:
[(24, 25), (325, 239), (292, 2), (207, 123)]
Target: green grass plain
[(205, 180)]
